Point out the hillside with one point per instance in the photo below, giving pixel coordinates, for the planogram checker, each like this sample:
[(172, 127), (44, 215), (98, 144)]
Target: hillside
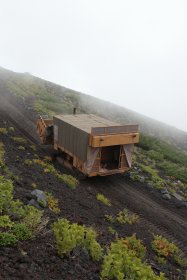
[(49, 98), (54, 226)]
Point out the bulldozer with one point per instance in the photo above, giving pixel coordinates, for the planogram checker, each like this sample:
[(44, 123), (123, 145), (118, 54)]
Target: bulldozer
[(93, 145)]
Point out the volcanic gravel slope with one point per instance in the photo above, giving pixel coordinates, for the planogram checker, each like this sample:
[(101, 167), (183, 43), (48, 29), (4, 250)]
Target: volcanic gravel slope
[(37, 258)]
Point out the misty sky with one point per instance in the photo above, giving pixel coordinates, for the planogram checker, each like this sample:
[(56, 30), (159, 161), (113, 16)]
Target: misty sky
[(132, 53)]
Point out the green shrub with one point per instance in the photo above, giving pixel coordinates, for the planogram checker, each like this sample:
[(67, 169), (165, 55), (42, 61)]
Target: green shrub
[(21, 148), (160, 260), (16, 208), (52, 203), (103, 199), (155, 155), (32, 217), (2, 153), (33, 147), (11, 129), (112, 230), (135, 245), (7, 239), (21, 231), (121, 263), (6, 195), (34, 185), (158, 182), (166, 249), (167, 151), (69, 236), (5, 222), (92, 245), (27, 217), (174, 170), (28, 162), (19, 140), (69, 180), (110, 218), (125, 216), (3, 131)]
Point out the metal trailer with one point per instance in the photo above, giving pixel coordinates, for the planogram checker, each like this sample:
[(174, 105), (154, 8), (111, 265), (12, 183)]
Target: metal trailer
[(92, 144)]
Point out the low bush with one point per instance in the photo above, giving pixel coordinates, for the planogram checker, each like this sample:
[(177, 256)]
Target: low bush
[(18, 221), (163, 247), (69, 180), (2, 153), (7, 239), (52, 203), (157, 181), (33, 147), (92, 245), (122, 263), (125, 216), (32, 217), (110, 218), (5, 222), (3, 131), (163, 150), (19, 140), (69, 236), (28, 162), (6, 194), (21, 148), (112, 230), (34, 185), (103, 199), (21, 231), (166, 249), (174, 170), (135, 245), (11, 129)]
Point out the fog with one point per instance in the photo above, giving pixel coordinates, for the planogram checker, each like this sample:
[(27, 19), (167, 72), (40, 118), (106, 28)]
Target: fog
[(132, 53)]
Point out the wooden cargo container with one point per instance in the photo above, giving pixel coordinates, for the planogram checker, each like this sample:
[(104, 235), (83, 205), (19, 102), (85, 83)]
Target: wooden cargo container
[(92, 144)]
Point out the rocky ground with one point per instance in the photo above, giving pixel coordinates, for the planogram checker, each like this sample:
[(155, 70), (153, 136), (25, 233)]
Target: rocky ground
[(37, 258)]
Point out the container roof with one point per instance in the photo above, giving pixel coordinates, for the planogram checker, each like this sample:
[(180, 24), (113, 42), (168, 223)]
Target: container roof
[(86, 122), (96, 125)]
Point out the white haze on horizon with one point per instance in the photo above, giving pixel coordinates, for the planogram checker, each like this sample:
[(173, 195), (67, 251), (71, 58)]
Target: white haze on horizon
[(131, 53)]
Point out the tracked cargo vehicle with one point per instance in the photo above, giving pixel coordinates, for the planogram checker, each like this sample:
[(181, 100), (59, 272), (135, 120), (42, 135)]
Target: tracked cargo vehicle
[(93, 145)]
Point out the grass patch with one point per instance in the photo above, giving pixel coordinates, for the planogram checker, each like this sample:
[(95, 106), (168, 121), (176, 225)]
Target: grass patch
[(52, 203), (28, 162), (27, 219), (19, 140), (123, 217), (103, 199), (2, 153), (158, 182), (168, 158), (174, 170), (3, 131), (69, 180), (11, 129)]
